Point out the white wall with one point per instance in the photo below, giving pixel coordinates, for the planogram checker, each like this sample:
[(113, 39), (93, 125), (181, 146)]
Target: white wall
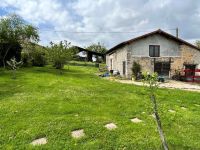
[(117, 58), (167, 47)]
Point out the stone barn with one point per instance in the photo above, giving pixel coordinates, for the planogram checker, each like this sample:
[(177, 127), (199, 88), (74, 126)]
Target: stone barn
[(156, 51)]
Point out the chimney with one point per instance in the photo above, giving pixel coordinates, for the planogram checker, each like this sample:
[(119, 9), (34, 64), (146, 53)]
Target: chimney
[(177, 32)]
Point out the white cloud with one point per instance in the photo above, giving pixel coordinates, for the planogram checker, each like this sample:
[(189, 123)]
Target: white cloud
[(107, 15)]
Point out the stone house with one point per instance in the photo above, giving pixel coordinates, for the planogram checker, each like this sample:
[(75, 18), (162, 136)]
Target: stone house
[(156, 51)]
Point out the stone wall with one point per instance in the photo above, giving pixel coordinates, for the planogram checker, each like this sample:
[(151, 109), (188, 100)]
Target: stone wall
[(147, 65), (188, 55)]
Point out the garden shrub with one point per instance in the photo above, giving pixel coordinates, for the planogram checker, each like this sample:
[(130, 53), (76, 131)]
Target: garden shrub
[(136, 69), (39, 58), (26, 59)]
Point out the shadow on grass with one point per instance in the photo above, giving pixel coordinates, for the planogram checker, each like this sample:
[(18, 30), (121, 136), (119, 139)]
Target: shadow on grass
[(83, 64), (9, 89), (62, 73)]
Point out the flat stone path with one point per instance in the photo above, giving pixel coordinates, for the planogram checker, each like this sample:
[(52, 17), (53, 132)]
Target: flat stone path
[(111, 126), (76, 115), (184, 108), (78, 134), (172, 111), (40, 141), (136, 120)]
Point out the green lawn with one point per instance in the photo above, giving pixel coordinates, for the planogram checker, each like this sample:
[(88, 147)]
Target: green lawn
[(42, 103)]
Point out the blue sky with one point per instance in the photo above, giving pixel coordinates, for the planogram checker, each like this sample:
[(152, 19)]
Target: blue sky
[(72, 18)]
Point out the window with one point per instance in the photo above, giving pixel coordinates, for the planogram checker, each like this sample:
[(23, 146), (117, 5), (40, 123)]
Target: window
[(154, 50)]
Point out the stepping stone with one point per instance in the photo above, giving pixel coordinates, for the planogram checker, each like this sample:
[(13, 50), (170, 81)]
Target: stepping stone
[(183, 108), (78, 134), (76, 115), (172, 111), (136, 120), (40, 141), (110, 126), (143, 112)]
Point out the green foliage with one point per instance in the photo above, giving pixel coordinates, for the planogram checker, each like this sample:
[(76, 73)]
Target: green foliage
[(39, 58), (152, 82), (14, 65), (26, 59), (100, 48), (61, 53), (197, 43), (136, 68), (13, 29), (34, 54)]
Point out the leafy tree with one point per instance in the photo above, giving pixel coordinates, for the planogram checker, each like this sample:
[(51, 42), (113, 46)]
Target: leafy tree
[(14, 30), (100, 48), (34, 54), (14, 65), (152, 83), (61, 53), (197, 43)]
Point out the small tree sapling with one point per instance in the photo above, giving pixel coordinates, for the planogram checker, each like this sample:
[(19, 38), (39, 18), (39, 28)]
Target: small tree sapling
[(14, 65), (152, 82)]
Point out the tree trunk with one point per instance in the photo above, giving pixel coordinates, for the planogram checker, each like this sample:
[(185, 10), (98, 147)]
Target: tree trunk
[(159, 126), (14, 74)]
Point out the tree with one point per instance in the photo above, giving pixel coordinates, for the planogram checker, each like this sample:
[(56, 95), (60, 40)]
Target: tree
[(34, 54), (152, 82), (61, 53), (14, 30), (100, 48), (197, 43)]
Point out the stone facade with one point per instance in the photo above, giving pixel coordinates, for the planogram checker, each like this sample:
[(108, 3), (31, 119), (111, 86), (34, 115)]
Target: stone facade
[(189, 55), (170, 51)]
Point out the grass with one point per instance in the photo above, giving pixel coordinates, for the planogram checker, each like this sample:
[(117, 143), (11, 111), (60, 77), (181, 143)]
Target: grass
[(42, 103)]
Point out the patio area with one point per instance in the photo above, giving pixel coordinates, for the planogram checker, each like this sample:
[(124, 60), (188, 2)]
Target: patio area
[(169, 84)]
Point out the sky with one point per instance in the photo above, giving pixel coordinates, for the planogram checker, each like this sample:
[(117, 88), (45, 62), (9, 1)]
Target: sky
[(84, 22)]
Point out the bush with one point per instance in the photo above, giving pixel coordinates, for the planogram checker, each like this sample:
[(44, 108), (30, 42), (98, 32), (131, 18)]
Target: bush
[(58, 64), (136, 69), (39, 58), (26, 59)]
